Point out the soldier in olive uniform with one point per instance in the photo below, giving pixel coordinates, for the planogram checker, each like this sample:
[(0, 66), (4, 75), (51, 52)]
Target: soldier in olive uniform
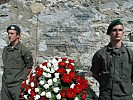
[(112, 66), (17, 64)]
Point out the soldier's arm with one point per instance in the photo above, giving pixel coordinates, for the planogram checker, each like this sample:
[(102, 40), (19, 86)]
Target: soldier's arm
[(96, 66), (96, 76), (28, 60)]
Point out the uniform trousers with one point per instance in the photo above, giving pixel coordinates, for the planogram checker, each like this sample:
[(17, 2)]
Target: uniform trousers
[(10, 91)]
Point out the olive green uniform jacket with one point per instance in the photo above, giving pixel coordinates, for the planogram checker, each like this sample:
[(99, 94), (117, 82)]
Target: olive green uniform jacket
[(15, 61), (115, 70)]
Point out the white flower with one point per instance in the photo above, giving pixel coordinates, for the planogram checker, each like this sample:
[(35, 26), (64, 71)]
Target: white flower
[(48, 75), (56, 75), (50, 61), (36, 89), (67, 61), (43, 93), (37, 97), (72, 64), (59, 59), (68, 70), (32, 84), (54, 61), (76, 98), (52, 70), (56, 67), (44, 74), (56, 89), (48, 70), (58, 96), (46, 86), (27, 82), (26, 97), (48, 94), (41, 66), (41, 82), (44, 68), (29, 91), (50, 82), (72, 86), (54, 79), (33, 70), (55, 64), (48, 64), (34, 74)]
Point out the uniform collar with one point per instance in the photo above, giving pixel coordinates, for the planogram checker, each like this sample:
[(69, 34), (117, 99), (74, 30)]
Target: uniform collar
[(15, 47), (119, 50)]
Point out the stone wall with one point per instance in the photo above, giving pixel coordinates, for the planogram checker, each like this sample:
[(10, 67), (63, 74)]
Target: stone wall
[(73, 28)]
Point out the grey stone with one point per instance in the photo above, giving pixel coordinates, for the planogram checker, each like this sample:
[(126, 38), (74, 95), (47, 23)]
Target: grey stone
[(127, 5), (37, 8), (108, 7), (43, 46), (2, 43)]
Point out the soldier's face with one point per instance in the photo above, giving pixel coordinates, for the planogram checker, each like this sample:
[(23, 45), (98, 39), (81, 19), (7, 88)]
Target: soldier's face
[(13, 36), (117, 33)]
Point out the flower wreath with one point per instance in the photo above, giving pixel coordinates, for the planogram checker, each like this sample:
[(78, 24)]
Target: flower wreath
[(55, 79)]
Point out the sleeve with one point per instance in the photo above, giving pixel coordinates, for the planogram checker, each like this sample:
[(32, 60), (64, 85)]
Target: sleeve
[(4, 56), (96, 63), (27, 58)]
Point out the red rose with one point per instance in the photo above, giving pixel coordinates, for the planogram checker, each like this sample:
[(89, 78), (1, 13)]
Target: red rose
[(39, 72), (62, 64), (84, 84), (84, 95), (27, 87), (70, 93), (31, 77), (70, 66), (63, 93), (66, 78), (35, 82), (61, 70), (37, 69), (21, 92), (71, 61), (79, 78), (21, 95), (77, 88), (23, 84), (64, 59), (31, 98), (72, 74), (33, 93), (44, 64)]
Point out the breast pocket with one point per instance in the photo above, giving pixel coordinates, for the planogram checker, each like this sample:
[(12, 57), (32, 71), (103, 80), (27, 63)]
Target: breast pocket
[(126, 68), (126, 71), (105, 64), (18, 61)]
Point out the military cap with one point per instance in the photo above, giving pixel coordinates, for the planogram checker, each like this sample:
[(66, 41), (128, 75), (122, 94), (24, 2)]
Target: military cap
[(14, 27), (114, 23)]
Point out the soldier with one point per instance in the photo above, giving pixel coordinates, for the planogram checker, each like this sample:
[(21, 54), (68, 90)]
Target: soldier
[(17, 64), (112, 66)]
